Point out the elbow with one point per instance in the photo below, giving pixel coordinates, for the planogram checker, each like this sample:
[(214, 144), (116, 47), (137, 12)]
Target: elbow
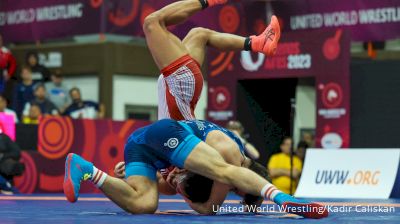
[(208, 210)]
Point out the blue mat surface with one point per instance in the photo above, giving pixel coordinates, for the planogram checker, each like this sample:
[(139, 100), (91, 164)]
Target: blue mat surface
[(53, 208)]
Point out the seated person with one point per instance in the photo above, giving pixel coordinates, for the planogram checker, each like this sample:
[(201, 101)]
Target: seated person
[(23, 91), (301, 150), (279, 167), (39, 72), (58, 92), (10, 166), (83, 109), (33, 115), (46, 106), (237, 128), (5, 110)]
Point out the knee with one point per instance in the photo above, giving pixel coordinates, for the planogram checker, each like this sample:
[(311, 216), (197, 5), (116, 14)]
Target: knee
[(199, 32), (150, 22), (142, 208)]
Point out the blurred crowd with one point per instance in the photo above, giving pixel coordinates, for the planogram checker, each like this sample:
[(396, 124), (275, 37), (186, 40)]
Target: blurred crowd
[(29, 91), (283, 171), (36, 91)]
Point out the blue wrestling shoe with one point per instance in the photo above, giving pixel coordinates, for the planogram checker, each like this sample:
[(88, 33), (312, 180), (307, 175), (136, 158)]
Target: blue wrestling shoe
[(300, 207), (76, 170)]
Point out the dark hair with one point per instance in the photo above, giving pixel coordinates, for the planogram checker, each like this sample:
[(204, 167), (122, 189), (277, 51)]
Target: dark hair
[(250, 199), (32, 53), (74, 89), (57, 73), (284, 138), (34, 104), (39, 85), (197, 188), (302, 144), (26, 67)]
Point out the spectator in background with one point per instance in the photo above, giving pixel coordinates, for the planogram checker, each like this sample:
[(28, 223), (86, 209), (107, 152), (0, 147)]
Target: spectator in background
[(83, 109), (237, 128), (279, 167), (308, 137), (10, 166), (33, 116), (39, 72), (8, 65), (23, 92), (58, 92), (46, 106), (302, 147), (4, 109)]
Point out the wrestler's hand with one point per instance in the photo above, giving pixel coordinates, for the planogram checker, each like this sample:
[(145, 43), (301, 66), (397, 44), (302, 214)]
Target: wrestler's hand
[(119, 170), (173, 176)]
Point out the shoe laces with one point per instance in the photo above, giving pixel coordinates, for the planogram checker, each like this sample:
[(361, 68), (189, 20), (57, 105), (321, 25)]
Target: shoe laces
[(270, 32), (86, 176)]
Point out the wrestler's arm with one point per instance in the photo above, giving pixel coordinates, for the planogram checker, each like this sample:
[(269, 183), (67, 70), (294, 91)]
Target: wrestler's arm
[(163, 186)]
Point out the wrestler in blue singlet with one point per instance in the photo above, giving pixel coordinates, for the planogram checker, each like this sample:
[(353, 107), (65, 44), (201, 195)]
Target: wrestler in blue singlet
[(166, 142)]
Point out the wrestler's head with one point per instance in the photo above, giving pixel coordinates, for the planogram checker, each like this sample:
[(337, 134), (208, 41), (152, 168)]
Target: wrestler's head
[(195, 187), (190, 185)]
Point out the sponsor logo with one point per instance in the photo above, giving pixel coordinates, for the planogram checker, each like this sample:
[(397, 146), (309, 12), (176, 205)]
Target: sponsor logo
[(172, 143), (332, 95), (347, 177), (331, 141), (220, 97), (247, 61)]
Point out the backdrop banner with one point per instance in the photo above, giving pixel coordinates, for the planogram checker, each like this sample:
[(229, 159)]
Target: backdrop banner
[(321, 54), (353, 173), (99, 141), (27, 21), (372, 20)]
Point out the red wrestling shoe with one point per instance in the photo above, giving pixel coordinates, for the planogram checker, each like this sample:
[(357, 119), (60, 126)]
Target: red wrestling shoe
[(267, 41)]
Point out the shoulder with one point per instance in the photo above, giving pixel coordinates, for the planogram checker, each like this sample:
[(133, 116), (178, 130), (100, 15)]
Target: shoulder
[(71, 108), (297, 159), (90, 103), (49, 85), (276, 156), (50, 103), (7, 110), (5, 50)]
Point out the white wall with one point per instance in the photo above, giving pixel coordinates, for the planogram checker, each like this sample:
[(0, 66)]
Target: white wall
[(142, 91), (89, 86), (305, 110)]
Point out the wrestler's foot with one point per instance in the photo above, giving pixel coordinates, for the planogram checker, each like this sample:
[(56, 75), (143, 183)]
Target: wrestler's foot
[(210, 3), (267, 41), (301, 207), (76, 170)]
